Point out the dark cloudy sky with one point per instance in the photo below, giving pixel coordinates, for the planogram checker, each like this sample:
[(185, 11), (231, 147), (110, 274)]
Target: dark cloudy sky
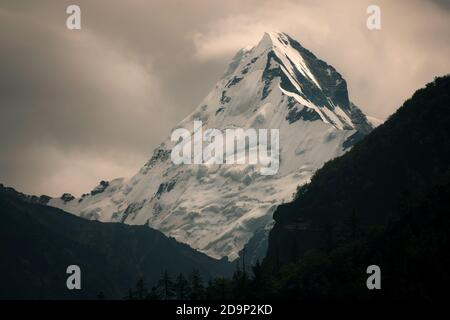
[(80, 106)]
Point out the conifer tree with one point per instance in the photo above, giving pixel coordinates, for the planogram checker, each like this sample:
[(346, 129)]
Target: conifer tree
[(181, 287), (196, 284), (165, 286), (141, 289)]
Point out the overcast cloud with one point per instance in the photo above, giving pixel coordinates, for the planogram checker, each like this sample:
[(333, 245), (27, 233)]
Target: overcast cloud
[(80, 106)]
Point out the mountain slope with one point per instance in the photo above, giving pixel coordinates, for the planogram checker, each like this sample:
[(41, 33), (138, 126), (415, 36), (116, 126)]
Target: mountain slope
[(218, 208), (38, 243), (385, 176), (412, 253)]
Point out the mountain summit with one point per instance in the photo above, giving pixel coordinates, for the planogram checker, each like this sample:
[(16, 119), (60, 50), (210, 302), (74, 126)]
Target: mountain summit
[(217, 209)]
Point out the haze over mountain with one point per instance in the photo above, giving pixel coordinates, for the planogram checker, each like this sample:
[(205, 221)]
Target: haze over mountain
[(278, 84)]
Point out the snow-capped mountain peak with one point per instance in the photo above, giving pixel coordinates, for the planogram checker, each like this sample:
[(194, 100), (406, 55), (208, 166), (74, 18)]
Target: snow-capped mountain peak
[(315, 89), (217, 208), (290, 59)]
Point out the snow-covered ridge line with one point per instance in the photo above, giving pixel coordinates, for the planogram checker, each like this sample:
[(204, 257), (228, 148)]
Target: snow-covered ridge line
[(290, 57)]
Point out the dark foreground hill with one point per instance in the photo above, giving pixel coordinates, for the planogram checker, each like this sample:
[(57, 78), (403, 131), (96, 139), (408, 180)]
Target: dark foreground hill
[(38, 242), (385, 202)]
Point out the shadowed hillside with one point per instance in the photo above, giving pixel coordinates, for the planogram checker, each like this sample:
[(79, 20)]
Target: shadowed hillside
[(39, 242)]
